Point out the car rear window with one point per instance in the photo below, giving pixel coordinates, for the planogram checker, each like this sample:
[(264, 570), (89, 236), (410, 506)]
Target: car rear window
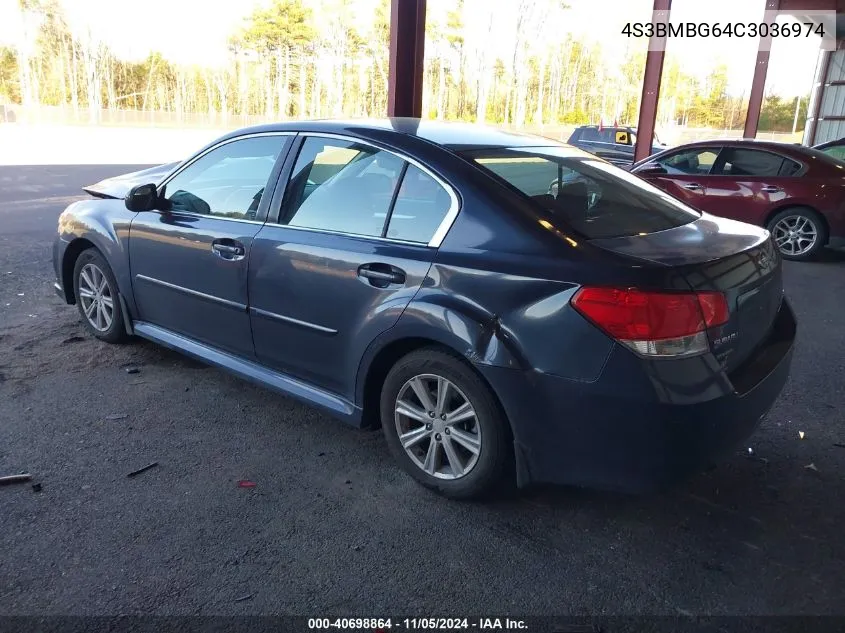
[(594, 198)]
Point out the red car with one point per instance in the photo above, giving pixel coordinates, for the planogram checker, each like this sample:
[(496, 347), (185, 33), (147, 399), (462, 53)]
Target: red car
[(796, 192)]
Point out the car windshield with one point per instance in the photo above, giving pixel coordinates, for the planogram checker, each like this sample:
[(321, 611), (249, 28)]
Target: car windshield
[(591, 196)]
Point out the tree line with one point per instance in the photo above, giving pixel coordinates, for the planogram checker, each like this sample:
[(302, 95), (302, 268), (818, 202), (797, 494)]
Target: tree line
[(296, 60)]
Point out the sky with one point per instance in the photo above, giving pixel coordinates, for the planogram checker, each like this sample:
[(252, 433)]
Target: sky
[(196, 31)]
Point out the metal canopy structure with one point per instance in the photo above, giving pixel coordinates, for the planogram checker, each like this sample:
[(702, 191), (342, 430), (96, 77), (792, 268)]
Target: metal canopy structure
[(407, 47)]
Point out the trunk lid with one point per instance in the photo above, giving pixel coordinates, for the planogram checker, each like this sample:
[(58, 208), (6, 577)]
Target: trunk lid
[(737, 259), (119, 186)]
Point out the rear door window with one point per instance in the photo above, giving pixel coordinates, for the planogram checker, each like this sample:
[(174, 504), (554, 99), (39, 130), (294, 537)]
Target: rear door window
[(353, 188), (592, 197), (420, 207), (342, 186), (789, 168), (750, 162)]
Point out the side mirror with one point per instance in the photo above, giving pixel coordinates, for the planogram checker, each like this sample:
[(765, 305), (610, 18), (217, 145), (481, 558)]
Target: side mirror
[(651, 169), (141, 198)]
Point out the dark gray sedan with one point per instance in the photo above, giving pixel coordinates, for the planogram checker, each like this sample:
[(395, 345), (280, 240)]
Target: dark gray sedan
[(427, 278)]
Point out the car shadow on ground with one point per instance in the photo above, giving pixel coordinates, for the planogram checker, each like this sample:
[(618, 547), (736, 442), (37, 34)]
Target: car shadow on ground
[(830, 256)]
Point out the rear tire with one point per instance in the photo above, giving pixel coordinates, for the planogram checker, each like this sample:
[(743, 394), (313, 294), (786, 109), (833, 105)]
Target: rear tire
[(457, 437), (799, 232), (98, 297)]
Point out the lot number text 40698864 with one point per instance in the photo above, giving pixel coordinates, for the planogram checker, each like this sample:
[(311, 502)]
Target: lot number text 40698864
[(420, 624)]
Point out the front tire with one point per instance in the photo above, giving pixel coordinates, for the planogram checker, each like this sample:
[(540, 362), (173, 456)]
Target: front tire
[(799, 232), (445, 427), (98, 297)]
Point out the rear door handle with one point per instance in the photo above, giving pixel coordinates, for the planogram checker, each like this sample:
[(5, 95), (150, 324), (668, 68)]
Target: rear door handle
[(381, 275), (228, 249), (693, 186), (771, 189)]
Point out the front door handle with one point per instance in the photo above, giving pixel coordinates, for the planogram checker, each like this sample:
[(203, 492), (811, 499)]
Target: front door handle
[(693, 186), (228, 249), (381, 275), (771, 189)]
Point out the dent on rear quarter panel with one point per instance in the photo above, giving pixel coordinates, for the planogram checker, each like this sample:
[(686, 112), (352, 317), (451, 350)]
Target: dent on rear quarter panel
[(511, 321)]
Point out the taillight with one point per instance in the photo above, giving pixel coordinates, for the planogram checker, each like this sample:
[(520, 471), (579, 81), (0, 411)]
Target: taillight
[(654, 323)]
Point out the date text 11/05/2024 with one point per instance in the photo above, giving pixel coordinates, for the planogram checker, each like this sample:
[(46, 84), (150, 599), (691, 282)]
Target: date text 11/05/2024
[(413, 624), (723, 29)]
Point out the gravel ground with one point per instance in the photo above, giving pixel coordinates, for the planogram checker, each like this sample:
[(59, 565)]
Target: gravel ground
[(332, 526)]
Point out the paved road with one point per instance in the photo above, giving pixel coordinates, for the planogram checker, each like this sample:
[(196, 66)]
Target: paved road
[(332, 526)]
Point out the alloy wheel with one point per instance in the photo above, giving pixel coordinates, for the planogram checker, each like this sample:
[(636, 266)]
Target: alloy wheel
[(96, 297), (437, 426), (795, 235)]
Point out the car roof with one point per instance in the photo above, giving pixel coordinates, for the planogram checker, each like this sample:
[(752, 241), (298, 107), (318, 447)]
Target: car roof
[(742, 142), (606, 127), (454, 136)]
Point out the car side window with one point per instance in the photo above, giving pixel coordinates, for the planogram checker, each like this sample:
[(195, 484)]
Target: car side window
[(341, 186), (590, 134), (698, 162), (421, 206), (837, 151), (789, 168), (226, 182), (750, 162)]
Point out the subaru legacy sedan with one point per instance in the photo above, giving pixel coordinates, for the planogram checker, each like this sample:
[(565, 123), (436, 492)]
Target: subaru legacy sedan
[(420, 276)]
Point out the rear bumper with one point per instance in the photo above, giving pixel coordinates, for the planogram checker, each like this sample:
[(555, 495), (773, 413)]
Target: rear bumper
[(640, 432)]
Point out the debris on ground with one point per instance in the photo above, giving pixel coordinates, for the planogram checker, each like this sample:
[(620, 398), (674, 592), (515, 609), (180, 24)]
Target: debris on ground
[(117, 416), (72, 339), (321, 454), (142, 470), (811, 467), (801, 434), (839, 445), (16, 479), (348, 481), (753, 456), (249, 596), (132, 370), (36, 487), (138, 382), (246, 483)]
